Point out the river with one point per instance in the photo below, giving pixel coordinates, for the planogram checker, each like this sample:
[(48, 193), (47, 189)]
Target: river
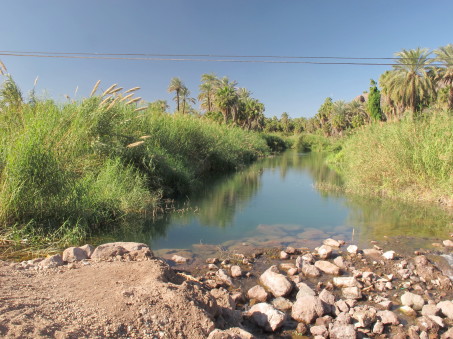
[(276, 202)]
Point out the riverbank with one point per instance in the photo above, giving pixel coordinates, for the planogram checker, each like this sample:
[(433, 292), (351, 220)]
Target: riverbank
[(121, 290), (69, 171), (408, 160)]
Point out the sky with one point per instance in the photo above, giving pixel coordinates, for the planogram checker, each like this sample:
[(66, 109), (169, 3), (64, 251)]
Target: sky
[(235, 27)]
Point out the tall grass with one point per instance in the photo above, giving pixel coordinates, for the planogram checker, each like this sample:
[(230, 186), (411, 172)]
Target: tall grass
[(85, 165), (409, 159)]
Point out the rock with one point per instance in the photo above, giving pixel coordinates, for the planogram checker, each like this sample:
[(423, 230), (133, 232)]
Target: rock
[(304, 289), (139, 255), (412, 300), (329, 301), (342, 332), (107, 251), (425, 269), (179, 259), (351, 293), (389, 255), (448, 334), (88, 249), (290, 250), (275, 282), (342, 306), (284, 255), (236, 271), (378, 327), (212, 261), (388, 317), (213, 267), (286, 266), (339, 261), (72, 254), (427, 324), (324, 252), (386, 304), (447, 243), (353, 249), (267, 317), (231, 333), (319, 330), (345, 282), (407, 310), (446, 307), (258, 293), (331, 242), (327, 267), (364, 315), (343, 318), (282, 304), (52, 261), (223, 276), (438, 320), (430, 310), (310, 271), (371, 252), (301, 328), (292, 271), (307, 308)]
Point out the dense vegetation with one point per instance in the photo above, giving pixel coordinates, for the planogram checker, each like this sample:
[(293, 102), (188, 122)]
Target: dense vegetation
[(69, 170)]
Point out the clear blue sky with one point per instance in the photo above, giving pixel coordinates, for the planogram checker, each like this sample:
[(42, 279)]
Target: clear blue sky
[(241, 27)]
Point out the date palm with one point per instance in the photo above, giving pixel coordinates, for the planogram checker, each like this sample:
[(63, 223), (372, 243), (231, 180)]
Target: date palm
[(186, 99), (208, 87), (226, 98), (444, 73), (410, 83), (176, 85)]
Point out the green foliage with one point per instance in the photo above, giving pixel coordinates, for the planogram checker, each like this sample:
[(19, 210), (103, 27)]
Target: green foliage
[(374, 102)]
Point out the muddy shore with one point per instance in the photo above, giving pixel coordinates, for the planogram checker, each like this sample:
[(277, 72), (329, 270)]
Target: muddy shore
[(336, 290)]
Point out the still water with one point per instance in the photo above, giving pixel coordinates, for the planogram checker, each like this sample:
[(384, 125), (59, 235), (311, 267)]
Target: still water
[(276, 202)]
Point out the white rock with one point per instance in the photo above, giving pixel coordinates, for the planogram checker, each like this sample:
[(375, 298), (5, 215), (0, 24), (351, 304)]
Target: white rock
[(304, 289), (282, 304), (408, 311), (72, 254), (389, 255), (351, 293), (388, 317), (257, 292), (447, 243), (331, 242), (446, 307), (325, 252), (353, 249), (327, 267), (307, 308), (223, 276), (284, 255), (266, 316), (236, 271), (275, 282), (345, 282), (412, 300)]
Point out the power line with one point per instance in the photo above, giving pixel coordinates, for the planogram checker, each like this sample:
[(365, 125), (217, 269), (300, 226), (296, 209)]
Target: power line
[(124, 57)]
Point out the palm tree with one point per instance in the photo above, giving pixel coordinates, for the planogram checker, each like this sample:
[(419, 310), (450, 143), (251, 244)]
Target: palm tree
[(444, 73), (176, 85), (226, 98), (208, 87), (185, 98), (410, 83)]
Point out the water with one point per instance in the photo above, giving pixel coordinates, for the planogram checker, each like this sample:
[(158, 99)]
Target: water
[(275, 202)]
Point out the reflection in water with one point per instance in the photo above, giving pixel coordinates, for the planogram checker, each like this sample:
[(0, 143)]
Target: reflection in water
[(274, 203)]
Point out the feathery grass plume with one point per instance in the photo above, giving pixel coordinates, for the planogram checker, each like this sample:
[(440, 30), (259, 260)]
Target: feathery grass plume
[(107, 91), (116, 90), (104, 101), (133, 100), (140, 109), (3, 69), (95, 88), (127, 97), (135, 144), (132, 89), (76, 90), (67, 97), (144, 137), (113, 103), (36, 81)]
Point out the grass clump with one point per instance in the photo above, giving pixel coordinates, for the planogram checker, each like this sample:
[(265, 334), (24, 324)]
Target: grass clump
[(70, 170), (410, 159)]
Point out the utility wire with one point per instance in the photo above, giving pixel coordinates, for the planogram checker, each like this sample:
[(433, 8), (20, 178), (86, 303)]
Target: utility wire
[(114, 57)]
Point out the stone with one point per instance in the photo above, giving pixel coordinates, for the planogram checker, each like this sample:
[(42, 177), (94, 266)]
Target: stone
[(427, 324), (438, 320), (179, 259), (331, 242), (430, 310), (72, 254), (345, 282), (284, 255), (342, 306), (301, 328), (231, 333), (447, 243), (139, 255), (339, 261), (407, 310), (353, 249), (304, 289), (292, 271), (446, 307), (266, 316), (388, 317), (325, 252), (343, 318), (224, 277), (52, 261), (282, 304), (448, 334), (329, 301), (213, 267), (286, 266), (307, 308), (378, 327), (107, 251), (351, 293), (389, 255), (236, 271), (319, 330), (412, 300), (365, 316), (212, 261), (88, 249), (258, 293), (425, 269), (371, 252), (290, 250), (343, 332), (275, 282), (310, 271), (327, 267)]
